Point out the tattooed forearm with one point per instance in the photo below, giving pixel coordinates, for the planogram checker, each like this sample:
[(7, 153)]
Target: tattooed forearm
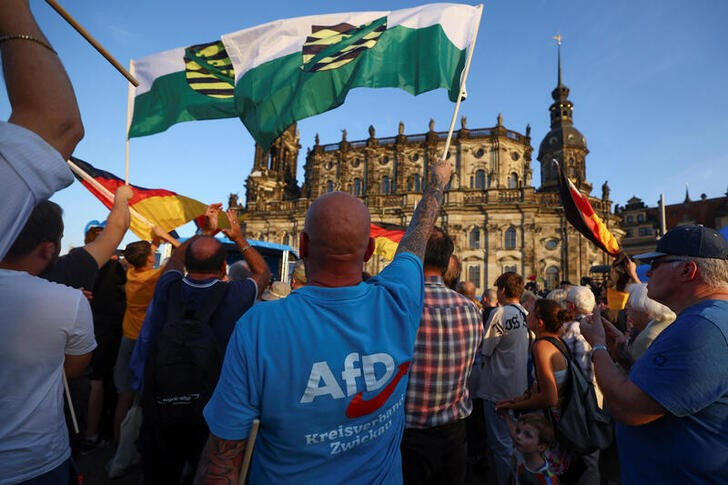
[(423, 220), (220, 462)]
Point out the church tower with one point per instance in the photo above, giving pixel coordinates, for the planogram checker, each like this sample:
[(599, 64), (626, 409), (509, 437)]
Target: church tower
[(564, 142), (273, 177)]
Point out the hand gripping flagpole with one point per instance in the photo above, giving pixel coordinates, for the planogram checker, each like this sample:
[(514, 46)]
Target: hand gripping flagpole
[(462, 92), (104, 191), (92, 41)]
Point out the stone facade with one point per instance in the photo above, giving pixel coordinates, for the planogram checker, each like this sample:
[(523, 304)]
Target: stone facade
[(498, 219), (642, 223)]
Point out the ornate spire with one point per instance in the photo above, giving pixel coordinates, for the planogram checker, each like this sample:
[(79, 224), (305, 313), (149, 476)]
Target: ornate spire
[(558, 39), (562, 108)]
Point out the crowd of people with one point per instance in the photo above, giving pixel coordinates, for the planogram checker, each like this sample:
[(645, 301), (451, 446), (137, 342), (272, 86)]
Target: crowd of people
[(402, 377)]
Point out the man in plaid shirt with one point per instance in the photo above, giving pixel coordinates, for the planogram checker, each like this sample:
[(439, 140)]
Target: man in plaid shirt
[(437, 400)]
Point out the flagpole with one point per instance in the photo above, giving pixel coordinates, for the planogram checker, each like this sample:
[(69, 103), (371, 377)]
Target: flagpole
[(67, 17), (129, 110), (466, 71), (71, 410), (104, 191)]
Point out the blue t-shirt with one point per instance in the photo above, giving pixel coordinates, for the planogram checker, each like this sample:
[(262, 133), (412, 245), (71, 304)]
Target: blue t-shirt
[(686, 371), (239, 297), (325, 371)]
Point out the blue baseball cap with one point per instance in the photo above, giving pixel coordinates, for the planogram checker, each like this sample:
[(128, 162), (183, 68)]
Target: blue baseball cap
[(694, 241)]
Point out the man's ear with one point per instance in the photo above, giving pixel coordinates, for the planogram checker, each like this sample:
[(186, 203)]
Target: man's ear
[(46, 251), (370, 249), (303, 245), (689, 271)]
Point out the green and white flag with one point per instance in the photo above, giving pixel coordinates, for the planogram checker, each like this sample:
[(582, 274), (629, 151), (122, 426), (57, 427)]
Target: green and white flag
[(185, 84), (291, 69)]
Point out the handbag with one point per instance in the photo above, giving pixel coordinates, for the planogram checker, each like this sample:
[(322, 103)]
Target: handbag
[(583, 426)]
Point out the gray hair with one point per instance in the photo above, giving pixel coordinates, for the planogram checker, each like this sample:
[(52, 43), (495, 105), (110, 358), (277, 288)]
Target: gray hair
[(714, 272), (638, 300), (582, 298), (559, 296)]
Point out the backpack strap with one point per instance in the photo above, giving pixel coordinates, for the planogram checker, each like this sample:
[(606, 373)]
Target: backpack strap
[(559, 344), (517, 307)]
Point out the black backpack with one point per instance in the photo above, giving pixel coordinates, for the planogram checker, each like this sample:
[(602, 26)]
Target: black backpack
[(583, 427), (185, 362)]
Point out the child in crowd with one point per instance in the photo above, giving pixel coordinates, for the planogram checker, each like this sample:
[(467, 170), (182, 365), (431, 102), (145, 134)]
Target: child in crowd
[(532, 436)]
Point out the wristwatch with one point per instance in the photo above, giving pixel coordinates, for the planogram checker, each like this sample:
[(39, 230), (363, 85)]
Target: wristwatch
[(598, 347)]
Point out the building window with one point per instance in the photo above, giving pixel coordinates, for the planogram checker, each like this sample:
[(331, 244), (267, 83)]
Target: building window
[(475, 238), (480, 179), (474, 275), (510, 240), (630, 219), (551, 278), (416, 184), (513, 181), (357, 187), (640, 218), (329, 186), (385, 184), (630, 233), (645, 231), (490, 180), (510, 267), (286, 239)]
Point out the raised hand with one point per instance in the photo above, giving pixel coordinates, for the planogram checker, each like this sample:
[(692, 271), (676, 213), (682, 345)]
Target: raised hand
[(235, 233), (211, 218)]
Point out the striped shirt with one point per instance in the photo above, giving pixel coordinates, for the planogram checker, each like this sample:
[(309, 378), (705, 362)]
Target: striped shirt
[(449, 336)]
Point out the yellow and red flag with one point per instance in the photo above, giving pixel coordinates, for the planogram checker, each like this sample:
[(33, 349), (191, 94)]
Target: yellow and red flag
[(386, 239), (149, 207), (581, 215)]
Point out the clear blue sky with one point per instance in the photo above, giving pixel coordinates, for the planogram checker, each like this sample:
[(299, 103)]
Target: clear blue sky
[(647, 79)]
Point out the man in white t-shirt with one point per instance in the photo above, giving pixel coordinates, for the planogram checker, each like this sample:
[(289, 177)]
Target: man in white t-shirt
[(47, 329)]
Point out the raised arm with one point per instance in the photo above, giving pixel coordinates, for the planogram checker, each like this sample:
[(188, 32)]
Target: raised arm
[(104, 246), (627, 403), (161, 235), (40, 93), (258, 266), (423, 220)]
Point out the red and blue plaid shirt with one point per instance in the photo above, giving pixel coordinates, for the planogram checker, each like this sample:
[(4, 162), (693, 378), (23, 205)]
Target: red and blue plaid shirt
[(449, 336)]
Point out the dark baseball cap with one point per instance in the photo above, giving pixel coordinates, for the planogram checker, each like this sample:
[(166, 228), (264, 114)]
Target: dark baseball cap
[(694, 241)]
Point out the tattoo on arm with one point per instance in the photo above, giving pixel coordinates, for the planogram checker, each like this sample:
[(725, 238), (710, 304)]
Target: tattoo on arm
[(220, 461), (423, 220)]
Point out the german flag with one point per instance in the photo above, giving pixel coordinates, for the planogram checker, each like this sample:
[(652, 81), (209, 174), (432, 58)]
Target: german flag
[(581, 215), (386, 239), (149, 207)]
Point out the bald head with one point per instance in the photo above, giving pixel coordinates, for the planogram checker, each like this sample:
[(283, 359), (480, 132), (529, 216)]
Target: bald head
[(205, 255), (466, 288), (337, 226)]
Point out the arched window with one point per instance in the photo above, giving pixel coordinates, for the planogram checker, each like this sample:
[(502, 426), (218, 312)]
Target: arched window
[(329, 186), (286, 239), (551, 277), (475, 238), (480, 179), (385, 184), (356, 189), (510, 239), (640, 218), (474, 275), (513, 181)]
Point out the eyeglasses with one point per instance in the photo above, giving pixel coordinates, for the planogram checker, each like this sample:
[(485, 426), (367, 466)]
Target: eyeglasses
[(654, 263)]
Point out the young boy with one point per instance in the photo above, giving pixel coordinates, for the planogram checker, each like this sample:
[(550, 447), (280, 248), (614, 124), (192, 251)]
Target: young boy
[(532, 435)]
